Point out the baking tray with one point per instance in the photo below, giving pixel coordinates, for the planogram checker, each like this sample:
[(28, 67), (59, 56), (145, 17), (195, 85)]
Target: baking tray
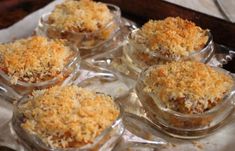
[(139, 12)]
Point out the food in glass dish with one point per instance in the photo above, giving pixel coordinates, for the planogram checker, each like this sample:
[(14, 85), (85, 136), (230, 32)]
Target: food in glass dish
[(67, 117), (171, 39), (85, 23), (186, 97), (36, 62)]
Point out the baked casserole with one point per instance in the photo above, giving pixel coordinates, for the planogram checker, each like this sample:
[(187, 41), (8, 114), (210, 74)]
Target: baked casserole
[(36, 63), (186, 96), (85, 23), (188, 87), (67, 117), (171, 39), (34, 59)]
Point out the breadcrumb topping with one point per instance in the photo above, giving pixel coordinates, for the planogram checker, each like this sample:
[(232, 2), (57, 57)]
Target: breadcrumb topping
[(68, 117), (188, 87), (80, 16), (34, 59), (172, 37)]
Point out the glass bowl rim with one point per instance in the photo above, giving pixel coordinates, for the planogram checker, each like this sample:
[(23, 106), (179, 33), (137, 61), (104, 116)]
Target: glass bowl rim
[(116, 15), (226, 98), (209, 42)]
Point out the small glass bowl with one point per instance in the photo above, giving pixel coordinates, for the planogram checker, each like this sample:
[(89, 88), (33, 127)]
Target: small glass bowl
[(20, 88), (105, 141), (138, 56), (187, 126), (86, 42)]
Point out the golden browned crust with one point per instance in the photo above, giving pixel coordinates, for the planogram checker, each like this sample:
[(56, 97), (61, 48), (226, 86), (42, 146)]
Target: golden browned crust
[(188, 87), (172, 37), (34, 59), (65, 117), (80, 16)]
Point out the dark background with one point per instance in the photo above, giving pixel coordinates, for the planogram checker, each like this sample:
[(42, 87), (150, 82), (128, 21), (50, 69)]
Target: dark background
[(14, 10)]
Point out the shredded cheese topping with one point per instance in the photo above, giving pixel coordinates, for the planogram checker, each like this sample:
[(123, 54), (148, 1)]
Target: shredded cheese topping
[(68, 117), (172, 37), (34, 59), (188, 87), (80, 16)]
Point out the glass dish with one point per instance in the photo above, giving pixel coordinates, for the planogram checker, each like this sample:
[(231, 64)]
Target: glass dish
[(12, 91), (185, 125), (88, 43), (138, 56), (105, 141)]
